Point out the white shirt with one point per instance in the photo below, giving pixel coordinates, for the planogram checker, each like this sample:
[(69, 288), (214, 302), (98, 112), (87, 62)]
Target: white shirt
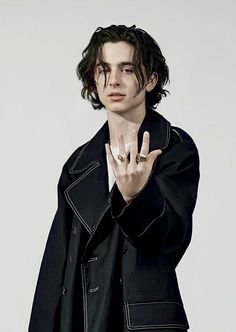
[(115, 152)]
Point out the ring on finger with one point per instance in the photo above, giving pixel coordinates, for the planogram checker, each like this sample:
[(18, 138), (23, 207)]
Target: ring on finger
[(121, 157), (141, 157)]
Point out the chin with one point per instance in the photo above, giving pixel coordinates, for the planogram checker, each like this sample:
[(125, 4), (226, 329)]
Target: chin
[(116, 109)]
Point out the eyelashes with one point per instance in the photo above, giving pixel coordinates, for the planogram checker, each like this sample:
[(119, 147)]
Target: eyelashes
[(123, 70)]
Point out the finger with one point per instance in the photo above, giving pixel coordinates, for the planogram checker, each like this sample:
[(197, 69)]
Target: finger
[(111, 158), (121, 145), (133, 147), (145, 143), (153, 155)]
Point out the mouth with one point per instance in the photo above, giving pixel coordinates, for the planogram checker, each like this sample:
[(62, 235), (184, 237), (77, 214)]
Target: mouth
[(115, 94)]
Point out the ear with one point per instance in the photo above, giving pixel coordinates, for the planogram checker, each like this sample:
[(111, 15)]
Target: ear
[(152, 82)]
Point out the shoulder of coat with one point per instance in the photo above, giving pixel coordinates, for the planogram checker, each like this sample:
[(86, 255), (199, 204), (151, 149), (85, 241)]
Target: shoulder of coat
[(181, 135), (74, 156)]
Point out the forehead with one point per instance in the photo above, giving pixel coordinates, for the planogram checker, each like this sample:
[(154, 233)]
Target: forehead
[(117, 52)]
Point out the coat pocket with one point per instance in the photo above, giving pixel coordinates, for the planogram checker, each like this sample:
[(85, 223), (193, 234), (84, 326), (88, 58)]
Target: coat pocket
[(151, 315)]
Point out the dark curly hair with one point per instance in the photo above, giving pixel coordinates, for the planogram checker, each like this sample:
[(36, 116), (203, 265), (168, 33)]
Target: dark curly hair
[(146, 52)]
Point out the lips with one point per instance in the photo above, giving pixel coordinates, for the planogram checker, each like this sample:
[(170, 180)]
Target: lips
[(115, 94), (116, 97)]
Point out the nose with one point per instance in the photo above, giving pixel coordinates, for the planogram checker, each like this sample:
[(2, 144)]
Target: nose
[(114, 78)]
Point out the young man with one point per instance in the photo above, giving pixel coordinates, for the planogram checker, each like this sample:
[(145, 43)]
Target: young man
[(125, 202)]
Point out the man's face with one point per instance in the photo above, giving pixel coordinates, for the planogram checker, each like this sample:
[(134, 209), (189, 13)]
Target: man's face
[(119, 94)]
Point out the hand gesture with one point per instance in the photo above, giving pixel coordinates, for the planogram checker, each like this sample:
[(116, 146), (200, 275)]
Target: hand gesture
[(132, 175)]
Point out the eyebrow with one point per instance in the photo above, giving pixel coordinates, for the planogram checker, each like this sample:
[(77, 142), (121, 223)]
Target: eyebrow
[(120, 64)]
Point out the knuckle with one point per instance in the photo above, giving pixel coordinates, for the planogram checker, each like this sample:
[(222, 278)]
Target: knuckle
[(121, 175), (132, 173)]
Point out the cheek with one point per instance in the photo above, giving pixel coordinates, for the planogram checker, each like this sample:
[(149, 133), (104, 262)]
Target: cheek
[(100, 88), (100, 79), (101, 93), (133, 84)]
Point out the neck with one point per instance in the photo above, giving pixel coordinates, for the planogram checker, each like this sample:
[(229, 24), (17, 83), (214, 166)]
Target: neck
[(123, 123)]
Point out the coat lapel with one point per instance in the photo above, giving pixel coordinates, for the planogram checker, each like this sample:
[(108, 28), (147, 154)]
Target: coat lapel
[(89, 194), (159, 129)]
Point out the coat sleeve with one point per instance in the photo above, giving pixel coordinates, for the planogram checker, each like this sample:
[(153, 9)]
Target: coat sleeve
[(49, 285), (161, 213)]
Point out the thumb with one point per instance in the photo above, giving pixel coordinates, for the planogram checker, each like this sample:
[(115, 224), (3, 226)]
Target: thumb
[(154, 154)]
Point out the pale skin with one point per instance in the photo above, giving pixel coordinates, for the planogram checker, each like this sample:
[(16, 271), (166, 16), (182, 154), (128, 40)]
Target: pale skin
[(125, 116)]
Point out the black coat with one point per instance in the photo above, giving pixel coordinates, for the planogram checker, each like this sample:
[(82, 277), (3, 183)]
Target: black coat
[(110, 266)]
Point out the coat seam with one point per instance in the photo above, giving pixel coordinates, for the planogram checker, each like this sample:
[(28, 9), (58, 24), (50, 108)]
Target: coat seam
[(66, 192), (85, 300), (149, 326), (167, 136), (180, 137), (160, 215), (76, 160), (151, 302)]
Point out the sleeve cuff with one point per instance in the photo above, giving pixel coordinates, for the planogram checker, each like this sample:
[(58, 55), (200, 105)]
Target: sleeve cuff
[(136, 216)]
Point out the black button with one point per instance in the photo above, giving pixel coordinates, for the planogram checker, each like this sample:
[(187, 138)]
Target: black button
[(70, 259), (93, 290), (93, 229), (74, 230), (64, 291), (92, 259), (124, 249)]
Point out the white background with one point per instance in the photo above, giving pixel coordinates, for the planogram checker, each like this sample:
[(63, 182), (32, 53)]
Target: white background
[(44, 119)]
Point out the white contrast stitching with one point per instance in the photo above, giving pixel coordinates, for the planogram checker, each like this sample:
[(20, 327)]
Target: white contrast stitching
[(160, 215), (162, 302), (168, 135), (77, 159), (178, 134), (66, 192), (149, 326), (85, 300)]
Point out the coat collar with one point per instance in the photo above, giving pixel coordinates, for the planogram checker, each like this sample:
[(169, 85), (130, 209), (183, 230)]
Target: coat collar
[(89, 195)]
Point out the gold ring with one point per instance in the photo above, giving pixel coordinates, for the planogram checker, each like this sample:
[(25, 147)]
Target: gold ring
[(141, 157), (121, 157)]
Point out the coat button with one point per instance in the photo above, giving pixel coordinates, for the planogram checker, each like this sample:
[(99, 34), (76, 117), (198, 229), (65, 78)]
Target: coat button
[(124, 249), (64, 291), (93, 290), (92, 259), (74, 230), (70, 259)]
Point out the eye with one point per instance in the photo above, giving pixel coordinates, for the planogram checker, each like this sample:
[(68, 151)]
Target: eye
[(102, 70), (127, 70)]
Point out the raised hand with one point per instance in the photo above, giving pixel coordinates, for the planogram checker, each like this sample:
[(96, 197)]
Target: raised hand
[(132, 175)]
